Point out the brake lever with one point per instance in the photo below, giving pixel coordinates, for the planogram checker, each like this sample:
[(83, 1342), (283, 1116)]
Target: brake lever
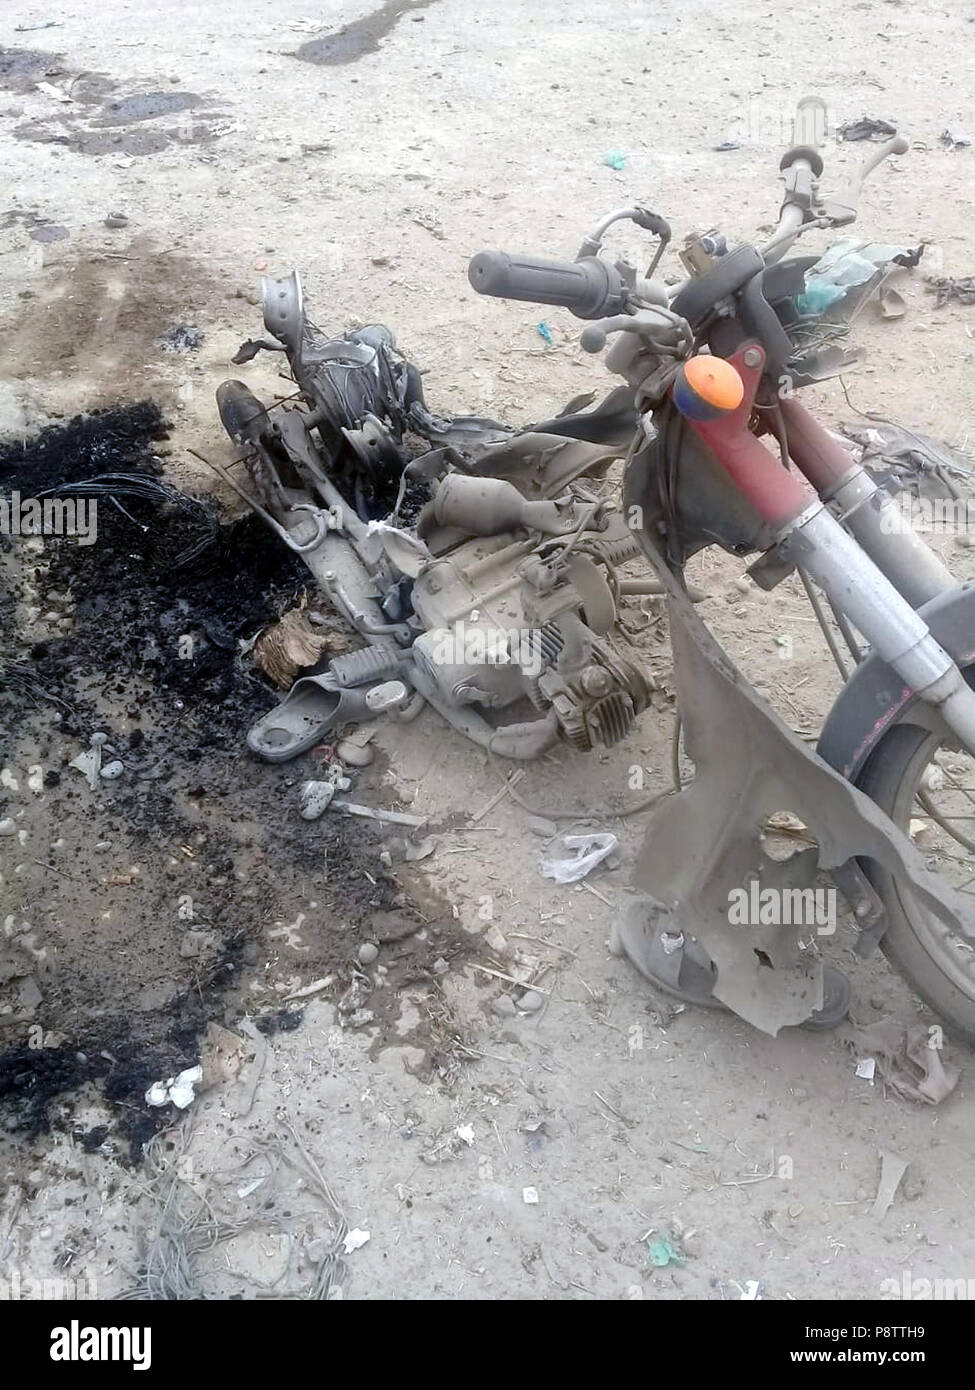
[(643, 217), (842, 208), (650, 325)]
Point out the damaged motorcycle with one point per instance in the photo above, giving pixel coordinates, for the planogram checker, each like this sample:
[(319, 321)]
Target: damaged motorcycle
[(481, 564)]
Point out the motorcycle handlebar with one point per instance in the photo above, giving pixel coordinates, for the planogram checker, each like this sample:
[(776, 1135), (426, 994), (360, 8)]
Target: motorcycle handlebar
[(591, 288)]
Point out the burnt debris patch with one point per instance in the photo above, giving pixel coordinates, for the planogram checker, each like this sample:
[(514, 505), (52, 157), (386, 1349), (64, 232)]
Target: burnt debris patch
[(133, 991)]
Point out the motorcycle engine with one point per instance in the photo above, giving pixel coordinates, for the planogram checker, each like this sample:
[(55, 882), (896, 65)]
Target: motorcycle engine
[(503, 623)]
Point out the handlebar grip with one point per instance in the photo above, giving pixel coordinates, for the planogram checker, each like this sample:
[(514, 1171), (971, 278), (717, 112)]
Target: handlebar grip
[(590, 287), (809, 126)]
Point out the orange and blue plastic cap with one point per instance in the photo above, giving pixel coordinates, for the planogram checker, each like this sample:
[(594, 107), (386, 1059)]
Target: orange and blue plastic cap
[(708, 386)]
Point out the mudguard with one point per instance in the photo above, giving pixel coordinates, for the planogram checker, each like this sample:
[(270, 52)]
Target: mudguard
[(875, 697), (707, 840)]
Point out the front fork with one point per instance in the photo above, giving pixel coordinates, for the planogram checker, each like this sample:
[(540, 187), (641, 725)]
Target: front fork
[(877, 575)]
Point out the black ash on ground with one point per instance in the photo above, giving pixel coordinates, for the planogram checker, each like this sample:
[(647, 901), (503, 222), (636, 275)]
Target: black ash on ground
[(193, 810)]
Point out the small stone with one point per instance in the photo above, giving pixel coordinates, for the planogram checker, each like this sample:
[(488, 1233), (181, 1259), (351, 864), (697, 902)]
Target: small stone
[(113, 770), (538, 825), (196, 943), (367, 953), (504, 1006), (314, 798), (531, 1001), (497, 940), (98, 739), (355, 754), (7, 826)]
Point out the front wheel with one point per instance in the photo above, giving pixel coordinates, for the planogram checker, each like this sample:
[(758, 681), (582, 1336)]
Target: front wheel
[(927, 787)]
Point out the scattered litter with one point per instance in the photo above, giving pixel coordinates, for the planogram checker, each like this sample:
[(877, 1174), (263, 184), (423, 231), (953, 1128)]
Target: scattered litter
[(511, 780), (288, 647), (315, 987), (466, 1133), (905, 451), (866, 128), (222, 1055), (372, 813), (89, 763), (55, 93), (866, 1068), (947, 289), (910, 1060), (588, 851), (529, 1195), (544, 331), (614, 159), (182, 337), (176, 1090), (892, 1169), (750, 1291), (663, 1252), (726, 146), (891, 303), (249, 1087), (846, 265), (354, 1240), (7, 826), (954, 139), (250, 1187), (115, 220)]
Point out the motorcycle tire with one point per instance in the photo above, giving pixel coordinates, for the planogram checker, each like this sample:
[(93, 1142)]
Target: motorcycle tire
[(937, 963)]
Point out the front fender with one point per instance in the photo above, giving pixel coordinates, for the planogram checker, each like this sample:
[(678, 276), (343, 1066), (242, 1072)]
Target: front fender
[(875, 697)]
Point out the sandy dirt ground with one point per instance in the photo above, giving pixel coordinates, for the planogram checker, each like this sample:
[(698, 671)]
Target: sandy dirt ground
[(488, 1152)]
